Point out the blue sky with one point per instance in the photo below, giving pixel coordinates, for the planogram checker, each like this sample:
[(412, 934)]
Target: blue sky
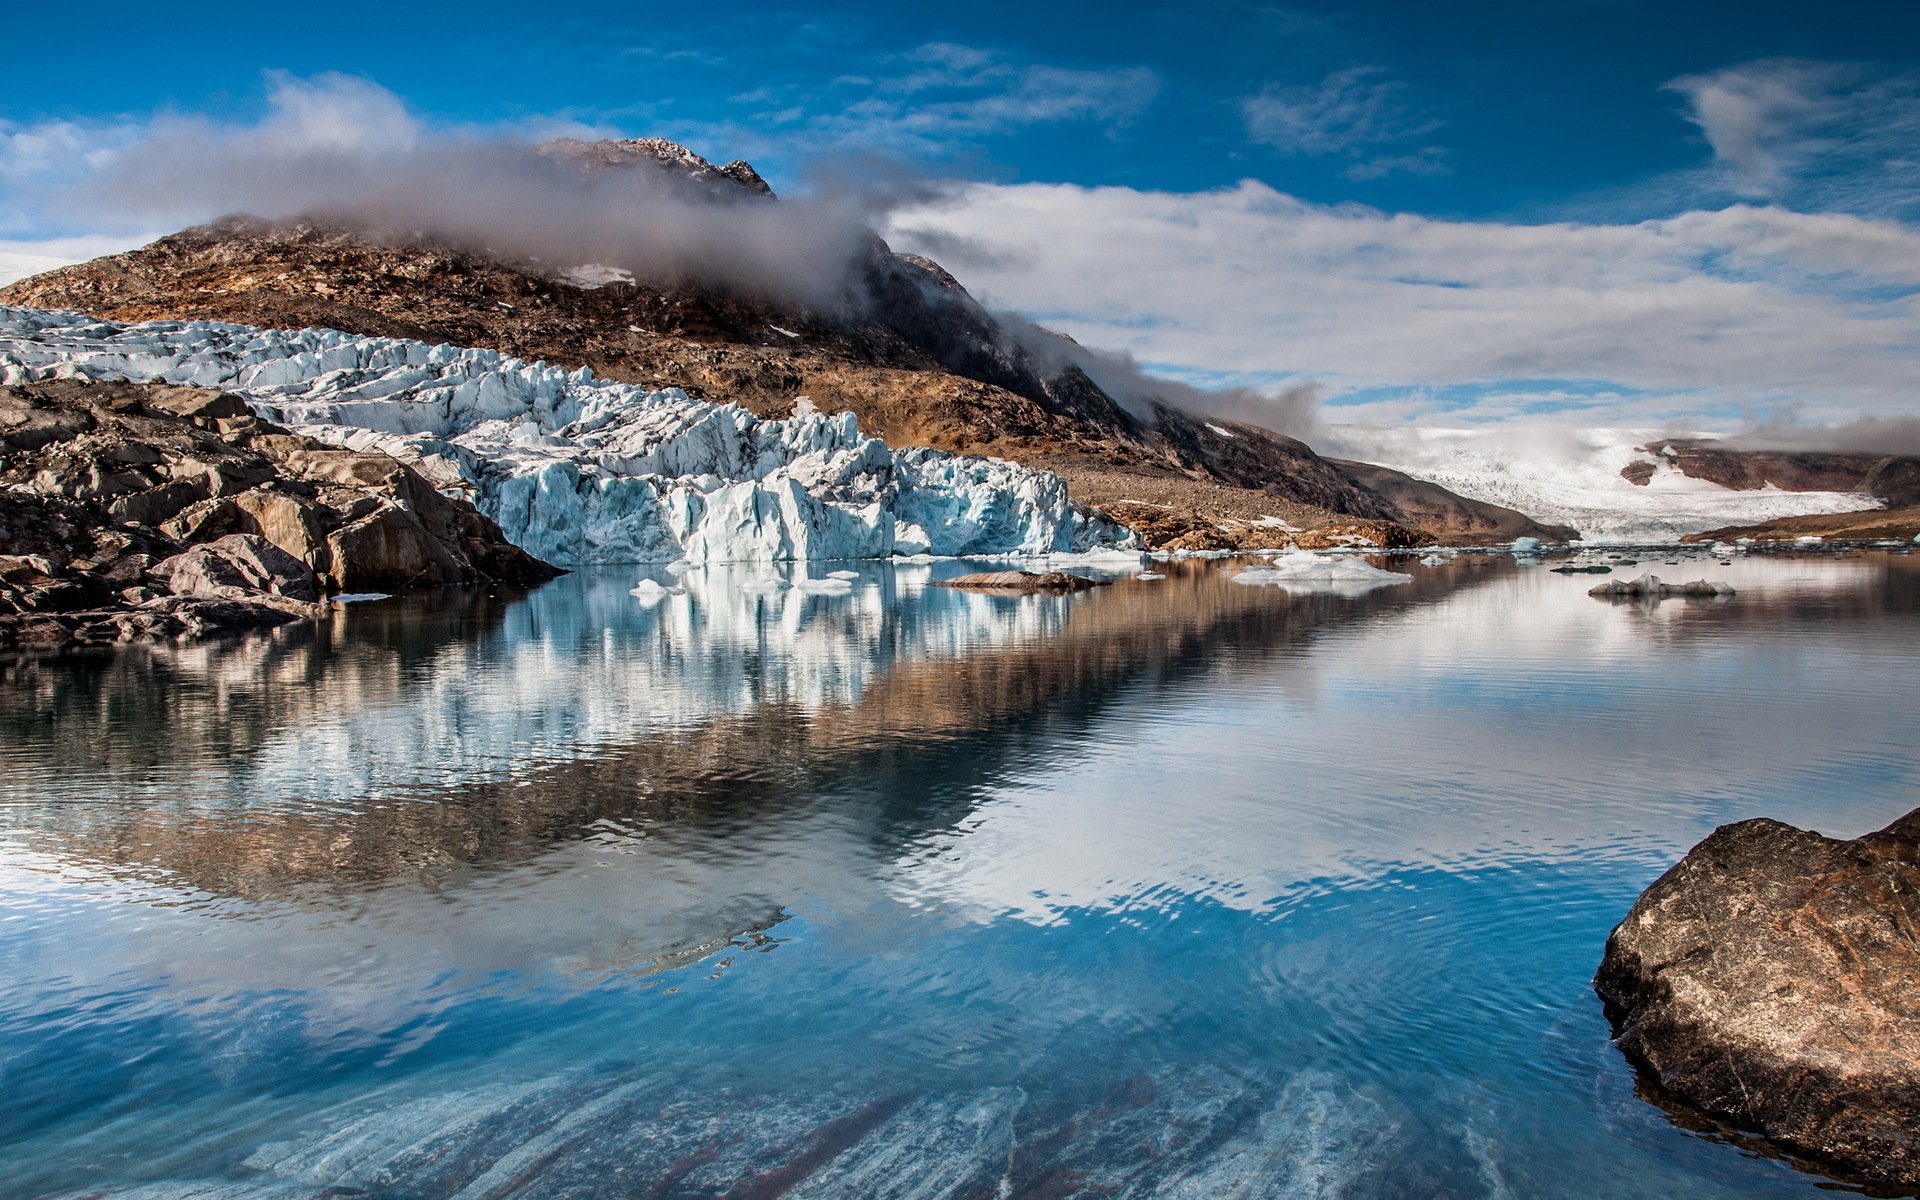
[(1440, 149)]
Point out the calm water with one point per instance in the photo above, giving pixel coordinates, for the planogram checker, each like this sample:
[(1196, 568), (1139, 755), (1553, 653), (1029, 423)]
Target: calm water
[(1178, 888)]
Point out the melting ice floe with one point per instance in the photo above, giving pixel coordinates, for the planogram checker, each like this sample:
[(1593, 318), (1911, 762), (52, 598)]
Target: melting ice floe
[(1303, 570), (580, 470)]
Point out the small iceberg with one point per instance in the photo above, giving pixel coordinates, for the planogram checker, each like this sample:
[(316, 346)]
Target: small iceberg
[(1303, 570), (843, 575), (1149, 575), (651, 592), (831, 585)]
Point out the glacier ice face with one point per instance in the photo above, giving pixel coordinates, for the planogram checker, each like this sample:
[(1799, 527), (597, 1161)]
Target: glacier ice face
[(579, 470)]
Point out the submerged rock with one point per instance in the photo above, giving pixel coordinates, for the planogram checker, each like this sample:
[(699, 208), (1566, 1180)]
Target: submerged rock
[(1023, 581), (1769, 981)]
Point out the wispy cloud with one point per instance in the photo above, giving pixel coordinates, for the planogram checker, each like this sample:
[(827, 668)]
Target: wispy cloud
[(1701, 317), (933, 103), (1818, 135), (1358, 114)]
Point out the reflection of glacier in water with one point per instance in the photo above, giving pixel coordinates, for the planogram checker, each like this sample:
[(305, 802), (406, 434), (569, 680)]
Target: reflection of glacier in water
[(1175, 888)]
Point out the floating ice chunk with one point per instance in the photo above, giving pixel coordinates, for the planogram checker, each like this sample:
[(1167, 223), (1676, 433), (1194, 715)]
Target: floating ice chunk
[(1526, 545), (1434, 560), (843, 574), (1303, 570), (679, 566), (1149, 575), (829, 586), (651, 592), (1107, 560), (1811, 539)]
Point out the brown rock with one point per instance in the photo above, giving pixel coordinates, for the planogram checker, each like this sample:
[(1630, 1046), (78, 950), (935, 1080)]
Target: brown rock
[(240, 566), (1769, 981), (1023, 581), (387, 550)]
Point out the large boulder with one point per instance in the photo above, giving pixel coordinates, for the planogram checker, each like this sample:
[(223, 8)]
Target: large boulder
[(1771, 980), (240, 566)]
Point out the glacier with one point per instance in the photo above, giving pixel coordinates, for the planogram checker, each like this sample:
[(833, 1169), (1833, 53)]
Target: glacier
[(1572, 477), (579, 470)]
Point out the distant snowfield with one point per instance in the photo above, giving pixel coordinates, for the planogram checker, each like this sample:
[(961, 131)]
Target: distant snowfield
[(1572, 477), (15, 265)]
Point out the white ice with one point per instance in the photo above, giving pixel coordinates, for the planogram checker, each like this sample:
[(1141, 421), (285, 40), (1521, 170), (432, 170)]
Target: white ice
[(1572, 477), (1303, 570), (580, 470)]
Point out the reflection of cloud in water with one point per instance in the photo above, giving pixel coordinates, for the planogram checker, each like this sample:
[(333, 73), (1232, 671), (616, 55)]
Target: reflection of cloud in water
[(1518, 721)]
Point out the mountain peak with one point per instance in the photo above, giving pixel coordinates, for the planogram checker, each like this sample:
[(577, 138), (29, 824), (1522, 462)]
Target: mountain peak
[(595, 158)]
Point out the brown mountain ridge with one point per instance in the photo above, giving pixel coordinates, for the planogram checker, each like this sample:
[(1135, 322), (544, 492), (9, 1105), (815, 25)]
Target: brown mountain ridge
[(917, 360)]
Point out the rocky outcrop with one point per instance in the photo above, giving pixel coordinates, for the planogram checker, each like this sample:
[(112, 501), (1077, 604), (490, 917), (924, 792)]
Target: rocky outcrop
[(1767, 981), (1893, 479), (1023, 581), (130, 510)]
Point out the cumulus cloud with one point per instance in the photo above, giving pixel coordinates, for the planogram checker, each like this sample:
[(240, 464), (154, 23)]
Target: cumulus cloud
[(1697, 317), (1812, 134), (1352, 113)]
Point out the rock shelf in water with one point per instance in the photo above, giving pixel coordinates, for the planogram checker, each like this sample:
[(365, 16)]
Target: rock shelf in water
[(1768, 981), (1023, 581), (1652, 586)]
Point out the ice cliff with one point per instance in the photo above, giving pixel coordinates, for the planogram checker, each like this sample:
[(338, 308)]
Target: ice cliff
[(580, 470)]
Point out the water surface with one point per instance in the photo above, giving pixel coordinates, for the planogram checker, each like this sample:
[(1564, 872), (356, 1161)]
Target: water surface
[(1175, 888)]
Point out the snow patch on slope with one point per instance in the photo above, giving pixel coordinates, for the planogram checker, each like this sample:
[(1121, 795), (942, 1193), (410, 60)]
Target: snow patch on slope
[(1572, 477), (15, 265), (579, 470)]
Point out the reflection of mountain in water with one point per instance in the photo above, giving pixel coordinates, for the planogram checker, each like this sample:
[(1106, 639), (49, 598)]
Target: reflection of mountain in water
[(404, 738)]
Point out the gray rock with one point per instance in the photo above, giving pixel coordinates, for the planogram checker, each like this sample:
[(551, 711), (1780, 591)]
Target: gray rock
[(240, 566), (1022, 581), (1771, 980), (1652, 587)]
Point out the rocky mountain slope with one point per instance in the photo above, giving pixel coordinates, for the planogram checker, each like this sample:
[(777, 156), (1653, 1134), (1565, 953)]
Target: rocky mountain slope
[(130, 510), (914, 357), (1891, 478)]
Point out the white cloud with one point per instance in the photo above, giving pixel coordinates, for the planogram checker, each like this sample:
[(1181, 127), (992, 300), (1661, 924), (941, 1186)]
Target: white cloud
[(1814, 134), (1352, 113), (1704, 313), (931, 103)]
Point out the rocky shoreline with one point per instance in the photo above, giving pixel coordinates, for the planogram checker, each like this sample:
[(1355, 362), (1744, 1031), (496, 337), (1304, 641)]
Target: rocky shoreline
[(1767, 982), (142, 510)]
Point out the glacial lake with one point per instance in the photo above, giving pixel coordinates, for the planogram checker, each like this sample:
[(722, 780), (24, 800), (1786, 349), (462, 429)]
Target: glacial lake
[(1175, 888)]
